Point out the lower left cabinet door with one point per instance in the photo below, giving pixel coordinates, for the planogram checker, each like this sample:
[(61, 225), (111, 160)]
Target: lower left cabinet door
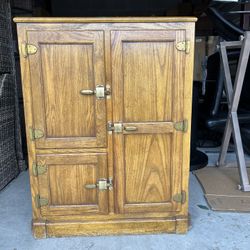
[(62, 184)]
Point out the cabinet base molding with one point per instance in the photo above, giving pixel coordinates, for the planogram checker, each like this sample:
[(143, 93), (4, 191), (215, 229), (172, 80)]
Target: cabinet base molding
[(115, 227)]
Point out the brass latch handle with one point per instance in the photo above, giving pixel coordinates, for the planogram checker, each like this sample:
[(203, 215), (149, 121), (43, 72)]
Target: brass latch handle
[(100, 91), (118, 127), (87, 92), (90, 186), (102, 184), (130, 128)]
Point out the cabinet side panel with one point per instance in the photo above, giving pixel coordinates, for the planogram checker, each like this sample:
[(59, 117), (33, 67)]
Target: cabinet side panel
[(28, 111), (187, 109)]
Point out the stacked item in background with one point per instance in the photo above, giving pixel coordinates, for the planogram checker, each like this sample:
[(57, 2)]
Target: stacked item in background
[(11, 154)]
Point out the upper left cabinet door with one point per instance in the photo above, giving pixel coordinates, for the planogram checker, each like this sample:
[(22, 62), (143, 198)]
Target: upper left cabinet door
[(65, 63)]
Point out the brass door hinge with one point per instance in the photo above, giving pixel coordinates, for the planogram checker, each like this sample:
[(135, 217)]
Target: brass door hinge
[(102, 184), (38, 169), (180, 198), (36, 134), (28, 49), (183, 46), (40, 202), (116, 127), (181, 126)]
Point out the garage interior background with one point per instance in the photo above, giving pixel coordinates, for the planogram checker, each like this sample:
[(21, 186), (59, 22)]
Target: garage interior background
[(13, 153), (12, 131), (206, 134)]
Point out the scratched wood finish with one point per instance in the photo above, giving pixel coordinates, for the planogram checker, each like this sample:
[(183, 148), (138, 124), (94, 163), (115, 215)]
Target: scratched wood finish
[(64, 182), (151, 86), (66, 63), (144, 87)]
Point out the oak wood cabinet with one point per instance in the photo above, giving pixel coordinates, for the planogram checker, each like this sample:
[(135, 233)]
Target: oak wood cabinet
[(107, 108)]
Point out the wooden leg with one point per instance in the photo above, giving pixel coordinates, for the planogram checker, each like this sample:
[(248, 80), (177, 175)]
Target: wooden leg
[(182, 225), (39, 229)]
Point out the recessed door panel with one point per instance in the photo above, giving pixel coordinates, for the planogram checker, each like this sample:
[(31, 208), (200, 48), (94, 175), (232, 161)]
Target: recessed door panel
[(147, 81), (66, 63), (67, 113), (148, 70), (148, 170), (67, 184)]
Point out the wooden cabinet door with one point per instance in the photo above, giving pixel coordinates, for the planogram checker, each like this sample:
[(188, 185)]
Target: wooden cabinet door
[(62, 184), (148, 82), (65, 63)]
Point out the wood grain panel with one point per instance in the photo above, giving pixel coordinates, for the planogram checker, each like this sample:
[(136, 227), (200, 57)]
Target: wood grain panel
[(148, 172), (148, 73), (66, 63), (67, 184), (112, 227), (63, 184), (149, 127), (66, 69)]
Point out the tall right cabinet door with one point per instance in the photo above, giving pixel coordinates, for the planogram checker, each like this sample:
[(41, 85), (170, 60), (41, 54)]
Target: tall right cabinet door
[(148, 72)]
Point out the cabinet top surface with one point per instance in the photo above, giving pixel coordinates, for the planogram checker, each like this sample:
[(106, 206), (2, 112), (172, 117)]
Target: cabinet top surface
[(102, 19)]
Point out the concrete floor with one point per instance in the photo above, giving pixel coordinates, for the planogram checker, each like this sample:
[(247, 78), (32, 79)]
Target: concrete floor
[(210, 230)]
